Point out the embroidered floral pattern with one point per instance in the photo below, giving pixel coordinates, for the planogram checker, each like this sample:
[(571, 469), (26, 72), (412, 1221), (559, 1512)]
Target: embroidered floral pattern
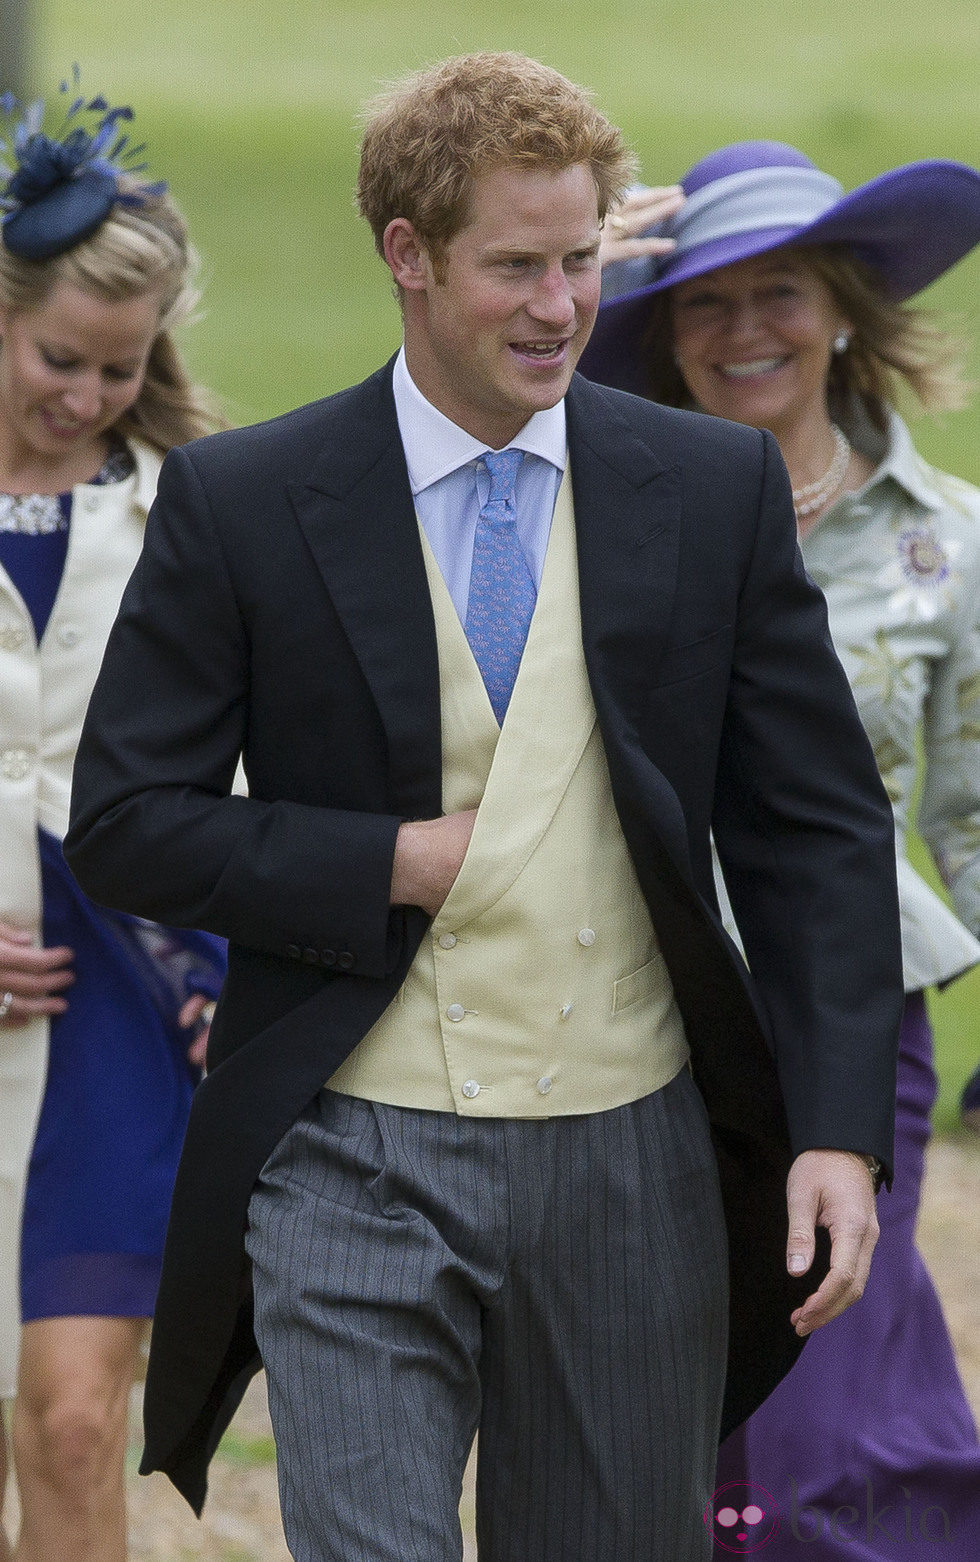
[(33, 515), (37, 515), (903, 592), (922, 567)]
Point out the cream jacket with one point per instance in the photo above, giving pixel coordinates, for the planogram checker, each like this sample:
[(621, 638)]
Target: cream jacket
[(44, 691)]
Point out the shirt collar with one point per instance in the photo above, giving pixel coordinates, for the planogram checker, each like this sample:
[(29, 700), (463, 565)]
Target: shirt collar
[(435, 446), (903, 464)]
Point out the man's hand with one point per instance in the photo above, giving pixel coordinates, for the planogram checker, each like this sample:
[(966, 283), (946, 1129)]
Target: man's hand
[(428, 856), (830, 1188), (31, 979)]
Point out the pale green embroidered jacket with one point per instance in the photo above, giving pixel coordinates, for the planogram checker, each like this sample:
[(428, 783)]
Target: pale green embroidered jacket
[(899, 564)]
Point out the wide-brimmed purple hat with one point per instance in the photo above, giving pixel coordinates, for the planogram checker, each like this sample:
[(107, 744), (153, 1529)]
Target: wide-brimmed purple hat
[(910, 225)]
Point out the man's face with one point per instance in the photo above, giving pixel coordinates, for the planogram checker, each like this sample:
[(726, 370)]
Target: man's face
[(497, 337)]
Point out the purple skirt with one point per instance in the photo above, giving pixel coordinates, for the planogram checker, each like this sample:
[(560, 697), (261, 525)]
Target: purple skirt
[(868, 1449)]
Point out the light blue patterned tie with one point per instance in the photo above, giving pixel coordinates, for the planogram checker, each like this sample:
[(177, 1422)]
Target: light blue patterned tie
[(502, 590)]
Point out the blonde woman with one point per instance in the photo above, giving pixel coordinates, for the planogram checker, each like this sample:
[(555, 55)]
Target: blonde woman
[(98, 1013)]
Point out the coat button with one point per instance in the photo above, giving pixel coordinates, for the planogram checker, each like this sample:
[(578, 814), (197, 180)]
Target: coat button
[(14, 764), (455, 1012), (471, 1089), (447, 940), (311, 957), (328, 957), (543, 1085), (68, 637), (345, 960), (586, 937)]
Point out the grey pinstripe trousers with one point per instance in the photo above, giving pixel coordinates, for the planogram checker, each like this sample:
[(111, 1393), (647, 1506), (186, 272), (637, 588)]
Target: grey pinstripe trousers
[(558, 1284)]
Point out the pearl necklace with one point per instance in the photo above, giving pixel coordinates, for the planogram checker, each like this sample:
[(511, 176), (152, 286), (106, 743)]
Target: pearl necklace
[(814, 496)]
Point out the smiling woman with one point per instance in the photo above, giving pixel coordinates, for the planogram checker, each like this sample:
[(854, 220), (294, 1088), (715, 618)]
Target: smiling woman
[(69, 370), (782, 305), (97, 1013)]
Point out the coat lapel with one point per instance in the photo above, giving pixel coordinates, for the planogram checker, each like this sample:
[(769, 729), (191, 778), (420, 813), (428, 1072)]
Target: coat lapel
[(627, 512), (355, 508)]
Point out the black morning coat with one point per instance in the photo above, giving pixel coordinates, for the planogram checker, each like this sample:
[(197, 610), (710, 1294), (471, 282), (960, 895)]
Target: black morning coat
[(280, 610)]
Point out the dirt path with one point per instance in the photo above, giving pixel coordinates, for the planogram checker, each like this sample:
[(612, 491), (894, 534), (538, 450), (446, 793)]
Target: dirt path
[(242, 1517)]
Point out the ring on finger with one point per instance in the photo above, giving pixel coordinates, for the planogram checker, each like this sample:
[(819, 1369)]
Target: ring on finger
[(6, 1003)]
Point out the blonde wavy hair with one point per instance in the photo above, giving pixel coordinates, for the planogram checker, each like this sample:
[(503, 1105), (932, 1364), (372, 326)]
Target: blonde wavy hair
[(428, 137), (136, 250), (893, 345)]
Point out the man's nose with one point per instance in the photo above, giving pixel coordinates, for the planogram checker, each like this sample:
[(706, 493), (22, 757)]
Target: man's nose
[(553, 302)]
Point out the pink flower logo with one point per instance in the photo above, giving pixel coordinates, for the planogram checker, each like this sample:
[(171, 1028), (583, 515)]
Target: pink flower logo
[(741, 1517)]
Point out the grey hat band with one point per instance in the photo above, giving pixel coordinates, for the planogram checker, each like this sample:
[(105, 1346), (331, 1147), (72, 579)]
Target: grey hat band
[(756, 199)]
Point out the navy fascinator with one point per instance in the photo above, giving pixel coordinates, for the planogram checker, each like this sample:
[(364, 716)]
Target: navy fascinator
[(60, 188)]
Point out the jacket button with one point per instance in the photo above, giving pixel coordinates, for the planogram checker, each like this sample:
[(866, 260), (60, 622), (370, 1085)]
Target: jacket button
[(294, 951), (15, 763), (310, 957), (345, 960), (328, 957)]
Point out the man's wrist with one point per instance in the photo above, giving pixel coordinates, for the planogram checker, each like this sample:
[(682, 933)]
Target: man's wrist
[(876, 1170)]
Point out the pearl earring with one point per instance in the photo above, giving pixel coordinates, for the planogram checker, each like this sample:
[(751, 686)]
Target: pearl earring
[(841, 342)]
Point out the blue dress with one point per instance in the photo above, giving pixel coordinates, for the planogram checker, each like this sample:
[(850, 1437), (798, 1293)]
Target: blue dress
[(119, 1085)]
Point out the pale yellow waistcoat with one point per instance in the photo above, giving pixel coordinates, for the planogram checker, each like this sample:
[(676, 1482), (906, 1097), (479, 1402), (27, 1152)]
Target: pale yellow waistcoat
[(540, 989)]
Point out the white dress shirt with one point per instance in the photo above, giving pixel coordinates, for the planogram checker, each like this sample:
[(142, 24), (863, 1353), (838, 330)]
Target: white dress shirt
[(450, 483)]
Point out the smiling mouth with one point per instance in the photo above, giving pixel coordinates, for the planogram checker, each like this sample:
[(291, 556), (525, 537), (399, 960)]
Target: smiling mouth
[(59, 426), (545, 352), (748, 371)]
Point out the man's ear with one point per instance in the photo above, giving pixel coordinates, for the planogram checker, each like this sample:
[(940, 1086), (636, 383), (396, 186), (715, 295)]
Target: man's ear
[(407, 260)]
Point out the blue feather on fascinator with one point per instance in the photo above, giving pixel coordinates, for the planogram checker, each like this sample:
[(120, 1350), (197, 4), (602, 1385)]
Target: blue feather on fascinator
[(58, 189)]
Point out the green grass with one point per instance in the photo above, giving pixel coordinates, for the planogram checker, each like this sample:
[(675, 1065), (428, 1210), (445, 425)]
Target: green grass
[(247, 1451), (250, 110)]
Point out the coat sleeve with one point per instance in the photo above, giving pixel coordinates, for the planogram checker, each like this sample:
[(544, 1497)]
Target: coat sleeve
[(805, 836), (155, 830)]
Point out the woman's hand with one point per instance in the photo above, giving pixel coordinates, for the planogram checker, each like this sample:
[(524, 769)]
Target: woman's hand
[(625, 222), (31, 979), (197, 1008)]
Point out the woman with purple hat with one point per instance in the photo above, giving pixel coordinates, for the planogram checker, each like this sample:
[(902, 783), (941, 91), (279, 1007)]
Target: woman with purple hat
[(771, 297), (98, 1012)]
